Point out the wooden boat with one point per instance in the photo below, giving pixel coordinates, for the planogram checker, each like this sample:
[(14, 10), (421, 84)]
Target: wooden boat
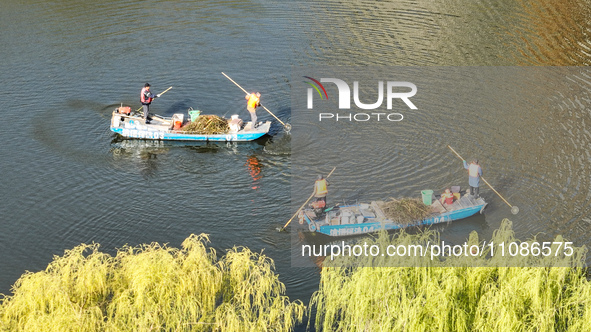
[(364, 218), (169, 128)]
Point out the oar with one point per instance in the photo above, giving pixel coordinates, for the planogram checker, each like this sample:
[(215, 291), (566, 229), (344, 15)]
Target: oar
[(287, 126), (301, 207), (159, 95), (514, 208)]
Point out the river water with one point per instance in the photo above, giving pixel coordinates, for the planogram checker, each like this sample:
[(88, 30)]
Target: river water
[(65, 65)]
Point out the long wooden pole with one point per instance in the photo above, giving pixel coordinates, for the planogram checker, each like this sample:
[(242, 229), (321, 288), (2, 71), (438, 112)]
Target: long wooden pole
[(514, 209), (306, 202), (163, 92), (288, 127)]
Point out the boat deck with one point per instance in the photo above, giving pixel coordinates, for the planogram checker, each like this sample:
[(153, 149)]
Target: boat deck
[(465, 201)]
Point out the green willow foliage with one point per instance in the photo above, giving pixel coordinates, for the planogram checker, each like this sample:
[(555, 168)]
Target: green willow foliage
[(433, 296), (152, 288)]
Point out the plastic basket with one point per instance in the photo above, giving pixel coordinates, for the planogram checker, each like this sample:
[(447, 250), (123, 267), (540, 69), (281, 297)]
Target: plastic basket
[(194, 114), (427, 196)]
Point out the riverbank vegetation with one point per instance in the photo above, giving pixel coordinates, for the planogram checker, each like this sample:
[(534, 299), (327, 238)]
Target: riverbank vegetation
[(152, 287), (468, 293)]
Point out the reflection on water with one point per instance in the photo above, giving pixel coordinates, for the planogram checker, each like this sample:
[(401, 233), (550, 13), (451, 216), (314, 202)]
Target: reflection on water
[(552, 33), (427, 33), (254, 167), (143, 153)]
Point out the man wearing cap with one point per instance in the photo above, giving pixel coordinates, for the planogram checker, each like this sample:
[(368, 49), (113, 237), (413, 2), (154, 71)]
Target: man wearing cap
[(474, 174), (254, 100), (146, 98)]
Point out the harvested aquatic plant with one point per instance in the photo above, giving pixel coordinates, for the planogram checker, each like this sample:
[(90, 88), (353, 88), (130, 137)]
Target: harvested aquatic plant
[(207, 125), (405, 211)]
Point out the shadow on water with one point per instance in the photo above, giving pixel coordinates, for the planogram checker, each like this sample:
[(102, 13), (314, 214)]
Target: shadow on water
[(77, 131), (279, 145), (81, 104)]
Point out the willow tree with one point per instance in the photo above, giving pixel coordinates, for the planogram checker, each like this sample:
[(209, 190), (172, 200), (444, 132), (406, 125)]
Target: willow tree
[(467, 293), (152, 287)]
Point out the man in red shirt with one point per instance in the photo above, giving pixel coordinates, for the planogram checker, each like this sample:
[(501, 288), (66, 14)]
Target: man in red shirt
[(146, 98)]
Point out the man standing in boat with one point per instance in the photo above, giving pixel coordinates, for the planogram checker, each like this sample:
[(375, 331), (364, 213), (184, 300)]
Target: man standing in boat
[(320, 192), (254, 100), (320, 189), (146, 98), (474, 174)]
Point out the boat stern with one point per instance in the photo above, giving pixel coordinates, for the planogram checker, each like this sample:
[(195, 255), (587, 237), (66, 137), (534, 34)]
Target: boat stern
[(262, 127)]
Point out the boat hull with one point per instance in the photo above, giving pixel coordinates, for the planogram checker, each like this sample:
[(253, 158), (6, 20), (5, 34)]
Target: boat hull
[(376, 223), (180, 136), (159, 129)]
